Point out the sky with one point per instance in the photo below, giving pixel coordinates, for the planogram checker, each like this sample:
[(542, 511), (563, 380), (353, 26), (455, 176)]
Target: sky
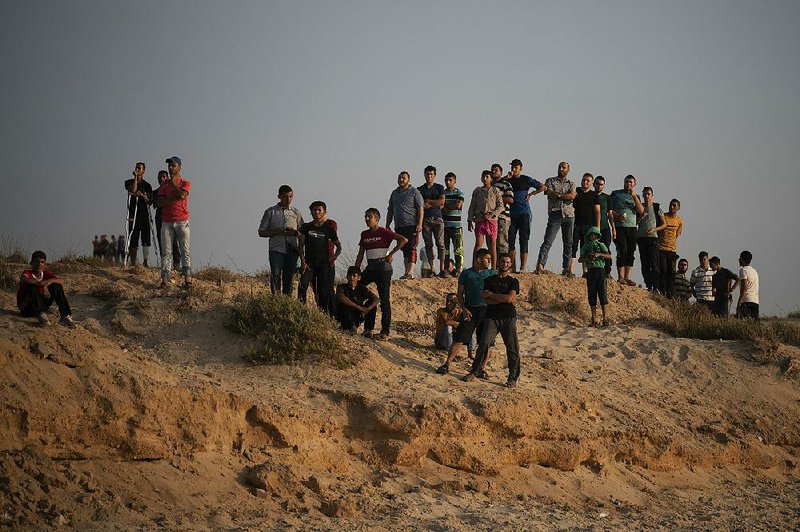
[(696, 99)]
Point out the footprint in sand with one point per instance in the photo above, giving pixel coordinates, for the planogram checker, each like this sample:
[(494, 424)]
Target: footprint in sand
[(683, 353), (665, 358)]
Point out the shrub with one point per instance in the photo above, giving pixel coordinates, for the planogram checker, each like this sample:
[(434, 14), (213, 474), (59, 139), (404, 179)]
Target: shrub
[(794, 314), (108, 291), (9, 275), (75, 263), (216, 274), (285, 330), (12, 250)]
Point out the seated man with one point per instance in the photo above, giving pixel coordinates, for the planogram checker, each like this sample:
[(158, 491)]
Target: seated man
[(38, 288), (447, 318), (357, 303)]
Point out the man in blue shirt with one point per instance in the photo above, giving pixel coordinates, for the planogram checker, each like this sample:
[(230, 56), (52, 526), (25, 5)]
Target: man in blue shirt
[(405, 209), (451, 214), (521, 213), (432, 222), (624, 208)]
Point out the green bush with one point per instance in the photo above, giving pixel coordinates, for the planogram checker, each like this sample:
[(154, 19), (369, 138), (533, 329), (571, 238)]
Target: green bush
[(285, 330)]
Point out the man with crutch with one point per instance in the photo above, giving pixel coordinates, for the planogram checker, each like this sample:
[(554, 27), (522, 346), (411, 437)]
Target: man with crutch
[(140, 195)]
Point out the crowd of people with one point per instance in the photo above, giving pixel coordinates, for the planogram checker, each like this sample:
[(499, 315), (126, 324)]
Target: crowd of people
[(499, 214), (109, 250)]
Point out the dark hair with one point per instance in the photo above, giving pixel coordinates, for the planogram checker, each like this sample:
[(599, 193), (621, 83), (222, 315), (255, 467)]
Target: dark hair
[(318, 203), (503, 255), (450, 294), (429, 168), (645, 189), (746, 257), (38, 255), (480, 253), (587, 174), (448, 262), (450, 174), (599, 178), (631, 176), (702, 254), (714, 259), (373, 210), (673, 200), (404, 172), (163, 172), (143, 165), (683, 259), (352, 270), (486, 172), (497, 165), (283, 189)]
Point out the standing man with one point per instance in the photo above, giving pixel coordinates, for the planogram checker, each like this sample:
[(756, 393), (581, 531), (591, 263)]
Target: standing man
[(747, 304), (315, 239), (701, 282), (681, 288), (406, 210), (560, 192), (521, 213), (721, 287), (587, 214), (374, 245), (504, 220), (281, 223), (608, 231), (473, 307), (432, 223), (485, 206), (500, 293), (173, 198), (140, 195), (451, 213), (650, 223), (668, 246), (625, 208), (163, 176)]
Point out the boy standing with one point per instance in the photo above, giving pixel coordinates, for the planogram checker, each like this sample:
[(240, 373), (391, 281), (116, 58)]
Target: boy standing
[(747, 305), (668, 247), (721, 287), (484, 208), (38, 289), (315, 257), (701, 281), (593, 256), (451, 213)]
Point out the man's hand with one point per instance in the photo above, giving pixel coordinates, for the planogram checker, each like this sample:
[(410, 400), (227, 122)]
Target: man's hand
[(467, 314), (389, 257), (419, 228), (469, 226)]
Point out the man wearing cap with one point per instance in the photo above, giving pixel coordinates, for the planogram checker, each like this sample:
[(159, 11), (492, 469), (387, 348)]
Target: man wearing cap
[(281, 224), (521, 213), (173, 198), (560, 215)]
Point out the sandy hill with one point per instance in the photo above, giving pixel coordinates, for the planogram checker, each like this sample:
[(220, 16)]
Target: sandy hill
[(147, 416)]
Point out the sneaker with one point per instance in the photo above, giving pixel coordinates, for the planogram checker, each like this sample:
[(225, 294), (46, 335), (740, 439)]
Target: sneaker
[(407, 276), (444, 369), (469, 377), (44, 321), (68, 322)]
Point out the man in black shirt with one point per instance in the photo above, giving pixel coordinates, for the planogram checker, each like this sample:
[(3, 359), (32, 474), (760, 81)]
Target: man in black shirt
[(357, 303), (500, 293), (721, 287), (587, 214), (315, 257), (140, 195)]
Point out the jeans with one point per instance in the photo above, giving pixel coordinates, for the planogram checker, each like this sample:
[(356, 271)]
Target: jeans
[(502, 235), (666, 267), (176, 231), (37, 303), (626, 245), (605, 238), (507, 327), (433, 233), (521, 223), (383, 282), (176, 255), (648, 253), (454, 236), (318, 277), (556, 221), (281, 270)]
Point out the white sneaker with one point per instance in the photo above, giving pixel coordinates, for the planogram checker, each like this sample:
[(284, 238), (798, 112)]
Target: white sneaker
[(44, 321), (67, 321)]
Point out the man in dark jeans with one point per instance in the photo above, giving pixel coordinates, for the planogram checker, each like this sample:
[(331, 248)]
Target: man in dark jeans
[(651, 221), (315, 257), (607, 230), (587, 214), (357, 303), (38, 289), (560, 192), (500, 293), (374, 245)]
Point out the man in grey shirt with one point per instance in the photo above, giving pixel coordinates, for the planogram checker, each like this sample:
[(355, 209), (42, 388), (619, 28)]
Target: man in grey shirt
[(406, 210), (560, 192)]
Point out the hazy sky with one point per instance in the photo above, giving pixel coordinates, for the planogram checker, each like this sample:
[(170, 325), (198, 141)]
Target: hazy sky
[(697, 99)]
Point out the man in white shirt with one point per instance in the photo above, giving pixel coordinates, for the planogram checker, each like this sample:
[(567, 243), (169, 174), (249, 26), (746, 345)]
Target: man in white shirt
[(700, 280), (747, 305)]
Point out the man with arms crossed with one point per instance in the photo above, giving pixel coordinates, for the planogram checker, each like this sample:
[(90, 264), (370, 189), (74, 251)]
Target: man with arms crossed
[(453, 232), (433, 196), (668, 247), (521, 212), (407, 212), (173, 198), (560, 192)]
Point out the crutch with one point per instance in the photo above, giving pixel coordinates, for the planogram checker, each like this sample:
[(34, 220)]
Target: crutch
[(153, 235), (130, 223)]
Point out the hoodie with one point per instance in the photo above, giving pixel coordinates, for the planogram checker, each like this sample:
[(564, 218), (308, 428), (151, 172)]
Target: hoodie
[(593, 246)]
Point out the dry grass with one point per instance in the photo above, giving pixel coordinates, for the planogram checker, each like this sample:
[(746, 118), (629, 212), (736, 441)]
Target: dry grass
[(217, 274), (108, 291), (79, 263), (12, 250), (9, 275)]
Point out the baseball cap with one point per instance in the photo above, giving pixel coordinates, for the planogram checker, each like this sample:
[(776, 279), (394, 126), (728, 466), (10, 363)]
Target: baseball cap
[(516, 162), (174, 159)]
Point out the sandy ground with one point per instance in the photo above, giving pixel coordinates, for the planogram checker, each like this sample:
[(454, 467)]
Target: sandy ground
[(147, 416)]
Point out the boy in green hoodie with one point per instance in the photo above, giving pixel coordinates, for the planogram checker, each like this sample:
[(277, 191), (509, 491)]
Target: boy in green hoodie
[(593, 255)]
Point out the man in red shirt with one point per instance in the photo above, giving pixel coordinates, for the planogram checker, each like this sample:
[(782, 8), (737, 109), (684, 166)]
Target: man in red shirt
[(173, 198), (38, 288)]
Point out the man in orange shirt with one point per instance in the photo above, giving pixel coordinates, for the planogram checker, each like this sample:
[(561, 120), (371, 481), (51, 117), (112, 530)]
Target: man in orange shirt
[(668, 247)]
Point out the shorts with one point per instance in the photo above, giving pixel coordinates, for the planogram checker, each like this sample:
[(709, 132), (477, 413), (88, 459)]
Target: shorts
[(410, 248), (486, 227), (466, 328)]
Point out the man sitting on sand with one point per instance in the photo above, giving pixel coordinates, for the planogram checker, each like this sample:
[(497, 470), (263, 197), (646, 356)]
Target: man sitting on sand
[(593, 257), (721, 287), (38, 288), (447, 319), (357, 303)]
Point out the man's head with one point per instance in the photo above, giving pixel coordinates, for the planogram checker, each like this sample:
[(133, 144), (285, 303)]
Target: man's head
[(138, 169), (403, 180), (318, 210), (482, 260), (449, 264), (714, 262), (38, 260), (497, 172), (451, 300), (174, 165), (563, 169), (683, 266), (430, 174), (745, 258), (599, 183), (703, 258), (586, 181), (629, 183), (486, 178), (504, 263), (450, 180), (647, 194), (353, 275), (516, 167), (163, 176), (674, 206), (372, 217), (285, 195)]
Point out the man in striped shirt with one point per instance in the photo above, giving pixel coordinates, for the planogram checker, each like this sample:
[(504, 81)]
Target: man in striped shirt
[(451, 213), (701, 281), (504, 186)]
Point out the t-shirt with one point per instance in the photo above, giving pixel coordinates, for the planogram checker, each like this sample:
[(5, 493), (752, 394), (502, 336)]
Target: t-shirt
[(277, 217), (650, 221), (584, 204), (562, 186), (501, 285), (751, 294), (520, 185), (720, 281), (472, 281), (594, 246), (405, 205), (317, 241), (506, 192), (668, 238), (433, 192), (376, 246), (23, 300), (681, 289), (451, 198), (602, 200), (331, 248), (176, 211), (623, 204), (141, 209), (360, 295), (701, 281)]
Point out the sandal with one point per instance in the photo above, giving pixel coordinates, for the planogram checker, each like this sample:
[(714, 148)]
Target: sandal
[(469, 377), (444, 369), (381, 337)]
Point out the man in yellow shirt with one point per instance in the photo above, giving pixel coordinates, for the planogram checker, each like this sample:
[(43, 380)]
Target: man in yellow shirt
[(668, 247)]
